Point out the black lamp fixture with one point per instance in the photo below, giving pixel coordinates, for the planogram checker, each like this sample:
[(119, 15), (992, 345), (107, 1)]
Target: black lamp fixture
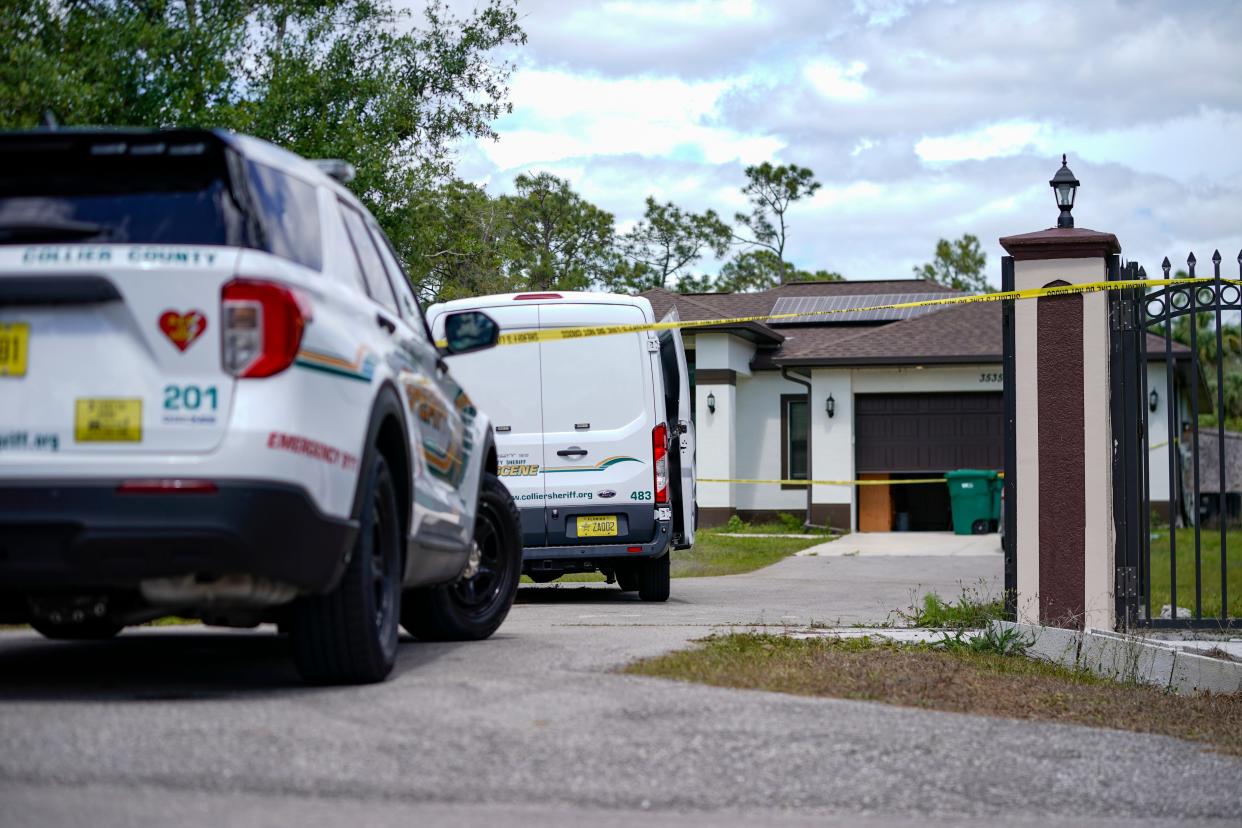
[(831, 406), (711, 403), (1064, 187), (1153, 400)]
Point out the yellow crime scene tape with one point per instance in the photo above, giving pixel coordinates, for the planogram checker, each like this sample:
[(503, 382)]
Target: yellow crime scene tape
[(554, 334), (827, 482)]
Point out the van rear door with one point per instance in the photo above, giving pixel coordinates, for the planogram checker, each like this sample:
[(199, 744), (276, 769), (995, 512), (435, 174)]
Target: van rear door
[(681, 424), (598, 415), (504, 382)]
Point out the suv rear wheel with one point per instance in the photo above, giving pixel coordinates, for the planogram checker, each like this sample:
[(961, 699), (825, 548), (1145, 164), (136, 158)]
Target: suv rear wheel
[(92, 629), (349, 636), (475, 606)]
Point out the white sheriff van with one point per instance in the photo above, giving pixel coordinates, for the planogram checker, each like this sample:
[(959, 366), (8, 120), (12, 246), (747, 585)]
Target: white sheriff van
[(220, 399), (595, 435)]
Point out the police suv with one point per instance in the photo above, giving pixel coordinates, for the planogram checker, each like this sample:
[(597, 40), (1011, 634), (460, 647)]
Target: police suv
[(219, 399)]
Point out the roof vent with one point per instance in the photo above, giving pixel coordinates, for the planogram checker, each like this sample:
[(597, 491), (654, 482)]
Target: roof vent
[(342, 171)]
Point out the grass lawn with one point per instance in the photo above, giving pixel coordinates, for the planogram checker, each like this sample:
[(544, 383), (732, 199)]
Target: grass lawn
[(1209, 572), (713, 554), (1009, 686)]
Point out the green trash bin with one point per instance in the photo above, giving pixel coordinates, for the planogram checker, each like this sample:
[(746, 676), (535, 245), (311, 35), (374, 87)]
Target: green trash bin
[(975, 499)]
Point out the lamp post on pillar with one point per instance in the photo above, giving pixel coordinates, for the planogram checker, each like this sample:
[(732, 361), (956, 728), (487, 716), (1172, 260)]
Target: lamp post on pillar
[(1065, 185), (1058, 456)]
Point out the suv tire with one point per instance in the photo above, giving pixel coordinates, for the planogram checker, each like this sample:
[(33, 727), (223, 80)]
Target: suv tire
[(653, 578), (349, 636), (473, 608), (92, 629)]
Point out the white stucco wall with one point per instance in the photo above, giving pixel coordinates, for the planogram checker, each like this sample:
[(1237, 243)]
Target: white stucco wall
[(929, 378), (722, 350), (759, 442), (832, 447), (1158, 434)]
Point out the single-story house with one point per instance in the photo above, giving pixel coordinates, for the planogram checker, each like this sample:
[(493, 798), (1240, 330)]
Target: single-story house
[(894, 394)]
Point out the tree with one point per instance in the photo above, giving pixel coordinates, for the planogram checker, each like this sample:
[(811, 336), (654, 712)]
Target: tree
[(561, 240), (667, 241), (465, 245), (771, 191), (958, 265), (351, 79), (754, 270)]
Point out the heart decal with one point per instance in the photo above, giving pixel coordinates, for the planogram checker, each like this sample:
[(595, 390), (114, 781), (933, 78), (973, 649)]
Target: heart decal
[(183, 328)]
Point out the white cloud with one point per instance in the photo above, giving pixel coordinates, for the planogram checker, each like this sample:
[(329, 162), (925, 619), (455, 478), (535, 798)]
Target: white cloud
[(558, 116), (836, 82), (923, 120), (992, 141)]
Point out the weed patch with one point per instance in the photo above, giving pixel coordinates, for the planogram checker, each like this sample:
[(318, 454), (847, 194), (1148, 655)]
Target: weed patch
[(974, 608), (960, 679)]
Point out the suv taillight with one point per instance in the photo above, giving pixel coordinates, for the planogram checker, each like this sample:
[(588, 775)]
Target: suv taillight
[(262, 327), (659, 451)]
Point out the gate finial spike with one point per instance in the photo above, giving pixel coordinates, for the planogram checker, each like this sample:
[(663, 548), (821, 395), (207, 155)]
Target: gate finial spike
[(1142, 272), (1216, 257), (1190, 260), (1166, 267), (1240, 257)]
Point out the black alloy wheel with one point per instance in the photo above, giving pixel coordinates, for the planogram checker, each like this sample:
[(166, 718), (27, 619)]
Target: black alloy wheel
[(475, 605), (349, 636)]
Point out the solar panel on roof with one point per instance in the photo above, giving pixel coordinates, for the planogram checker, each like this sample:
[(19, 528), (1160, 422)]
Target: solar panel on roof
[(830, 310)]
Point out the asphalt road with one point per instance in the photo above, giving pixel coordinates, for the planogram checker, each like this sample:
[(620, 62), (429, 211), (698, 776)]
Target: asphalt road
[(191, 726)]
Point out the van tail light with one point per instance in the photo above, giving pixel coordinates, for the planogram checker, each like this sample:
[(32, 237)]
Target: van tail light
[(659, 450), (262, 327)]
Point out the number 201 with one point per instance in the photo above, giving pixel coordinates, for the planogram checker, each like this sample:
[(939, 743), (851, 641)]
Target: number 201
[(189, 397)]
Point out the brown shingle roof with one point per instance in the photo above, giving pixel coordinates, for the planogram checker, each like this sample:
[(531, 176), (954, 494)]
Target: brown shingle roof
[(955, 333)]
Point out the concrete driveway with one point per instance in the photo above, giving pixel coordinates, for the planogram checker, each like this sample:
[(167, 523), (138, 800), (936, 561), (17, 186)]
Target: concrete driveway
[(198, 727), (909, 545)]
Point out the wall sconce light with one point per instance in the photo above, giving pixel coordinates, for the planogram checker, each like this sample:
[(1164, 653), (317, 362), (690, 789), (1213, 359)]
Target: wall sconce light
[(1153, 400), (711, 403), (831, 407)]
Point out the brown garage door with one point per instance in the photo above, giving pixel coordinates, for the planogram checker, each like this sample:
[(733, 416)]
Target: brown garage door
[(928, 432)]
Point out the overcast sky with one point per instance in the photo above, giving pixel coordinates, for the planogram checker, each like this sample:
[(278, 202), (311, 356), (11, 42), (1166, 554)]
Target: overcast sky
[(921, 119)]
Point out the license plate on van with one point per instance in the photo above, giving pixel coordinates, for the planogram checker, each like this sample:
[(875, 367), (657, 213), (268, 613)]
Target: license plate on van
[(14, 344), (108, 421), (597, 526)]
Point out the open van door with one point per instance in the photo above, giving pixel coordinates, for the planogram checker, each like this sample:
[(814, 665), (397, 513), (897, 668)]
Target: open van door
[(681, 425)]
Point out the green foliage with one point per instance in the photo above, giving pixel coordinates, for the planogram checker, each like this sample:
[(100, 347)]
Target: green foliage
[(464, 242), (760, 269), (352, 79), (972, 610), (771, 190), (561, 240), (735, 524), (667, 241), (958, 265), (790, 523), (991, 640), (1199, 331)]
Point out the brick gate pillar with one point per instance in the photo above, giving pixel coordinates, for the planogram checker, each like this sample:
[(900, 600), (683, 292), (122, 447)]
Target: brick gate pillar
[(1062, 486)]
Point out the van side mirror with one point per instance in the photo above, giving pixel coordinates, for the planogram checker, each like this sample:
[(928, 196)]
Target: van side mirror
[(467, 331)]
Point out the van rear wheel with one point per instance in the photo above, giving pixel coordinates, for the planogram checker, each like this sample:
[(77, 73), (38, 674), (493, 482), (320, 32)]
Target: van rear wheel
[(653, 578)]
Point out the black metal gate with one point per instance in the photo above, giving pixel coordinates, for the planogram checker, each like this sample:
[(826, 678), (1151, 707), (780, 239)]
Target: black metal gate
[(1173, 563)]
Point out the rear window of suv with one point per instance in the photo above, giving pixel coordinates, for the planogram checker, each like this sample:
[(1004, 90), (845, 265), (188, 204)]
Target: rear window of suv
[(153, 190)]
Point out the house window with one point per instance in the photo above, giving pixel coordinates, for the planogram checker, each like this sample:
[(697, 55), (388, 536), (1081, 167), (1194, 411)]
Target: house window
[(794, 460)]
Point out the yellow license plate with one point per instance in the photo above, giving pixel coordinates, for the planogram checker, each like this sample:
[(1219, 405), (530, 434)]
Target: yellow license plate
[(14, 345), (107, 421), (597, 526)]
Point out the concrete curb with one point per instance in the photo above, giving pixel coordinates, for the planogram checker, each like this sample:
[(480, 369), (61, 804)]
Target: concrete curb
[(1130, 659)]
